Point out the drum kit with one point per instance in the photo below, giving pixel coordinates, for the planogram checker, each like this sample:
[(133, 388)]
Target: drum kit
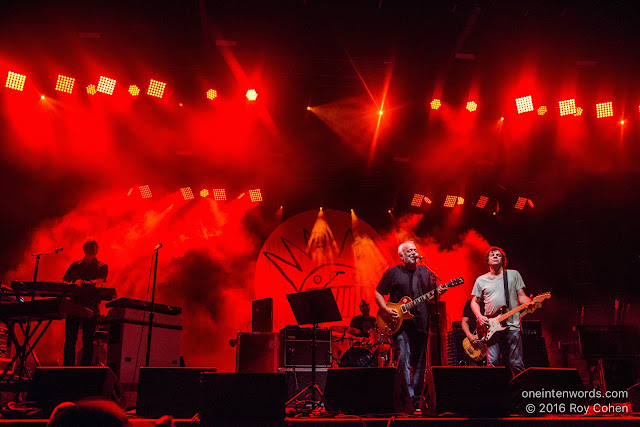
[(353, 348)]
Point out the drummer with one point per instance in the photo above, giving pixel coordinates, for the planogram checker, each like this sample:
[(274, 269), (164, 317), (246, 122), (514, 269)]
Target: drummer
[(364, 321)]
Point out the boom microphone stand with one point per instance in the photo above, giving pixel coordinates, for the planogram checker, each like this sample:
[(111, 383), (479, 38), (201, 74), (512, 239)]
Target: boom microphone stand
[(153, 299)]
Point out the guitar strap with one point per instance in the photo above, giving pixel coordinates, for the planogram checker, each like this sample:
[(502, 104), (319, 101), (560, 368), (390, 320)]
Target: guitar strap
[(506, 289)]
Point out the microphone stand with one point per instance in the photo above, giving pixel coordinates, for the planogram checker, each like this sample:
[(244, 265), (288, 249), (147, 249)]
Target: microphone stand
[(151, 312), (436, 298)]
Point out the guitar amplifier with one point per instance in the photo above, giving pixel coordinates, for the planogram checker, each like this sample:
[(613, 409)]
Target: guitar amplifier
[(295, 345)]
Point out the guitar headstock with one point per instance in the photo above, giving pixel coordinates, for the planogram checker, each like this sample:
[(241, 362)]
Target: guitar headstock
[(542, 297), (537, 302), (455, 282)]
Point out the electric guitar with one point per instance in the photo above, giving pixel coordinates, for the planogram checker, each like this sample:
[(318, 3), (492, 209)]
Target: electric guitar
[(389, 326), (476, 353), (495, 319)]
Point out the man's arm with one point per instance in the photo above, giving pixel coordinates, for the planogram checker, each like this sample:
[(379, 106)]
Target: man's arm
[(523, 298), (475, 307), (383, 305), (465, 327)]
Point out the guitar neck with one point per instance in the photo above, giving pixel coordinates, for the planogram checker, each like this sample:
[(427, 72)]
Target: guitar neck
[(423, 297), (510, 313)]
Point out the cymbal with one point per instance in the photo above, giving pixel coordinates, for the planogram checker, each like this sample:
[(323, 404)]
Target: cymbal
[(345, 330)]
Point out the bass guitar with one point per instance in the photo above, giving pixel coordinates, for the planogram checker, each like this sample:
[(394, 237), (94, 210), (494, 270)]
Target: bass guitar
[(495, 319), (389, 326), (475, 353)]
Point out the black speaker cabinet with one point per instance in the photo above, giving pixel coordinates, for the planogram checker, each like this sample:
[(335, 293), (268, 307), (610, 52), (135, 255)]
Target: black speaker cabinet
[(366, 391), (242, 397), (169, 391), (262, 315), (295, 347), (524, 386), (473, 391), (299, 378), (257, 352), (53, 385)]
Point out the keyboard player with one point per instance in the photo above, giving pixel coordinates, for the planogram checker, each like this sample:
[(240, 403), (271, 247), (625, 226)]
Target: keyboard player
[(89, 271)]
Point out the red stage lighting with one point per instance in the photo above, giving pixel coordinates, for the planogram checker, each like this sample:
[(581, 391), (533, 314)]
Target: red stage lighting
[(187, 193), (156, 88), (65, 84), (145, 191), (417, 200), (204, 193), (521, 202), (578, 111), (530, 202), (212, 94), (251, 95), (524, 104), (482, 202), (427, 200), (219, 194), (15, 81), (91, 89), (567, 107), (106, 85), (435, 104), (472, 106), (130, 191), (542, 110), (134, 90), (255, 195), (604, 109), (450, 201), (460, 200)]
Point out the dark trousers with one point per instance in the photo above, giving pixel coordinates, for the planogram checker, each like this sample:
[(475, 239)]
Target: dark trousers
[(507, 344), (72, 324), (409, 351)]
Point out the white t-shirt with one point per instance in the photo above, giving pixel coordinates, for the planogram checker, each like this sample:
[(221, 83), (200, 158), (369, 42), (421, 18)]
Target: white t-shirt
[(491, 289)]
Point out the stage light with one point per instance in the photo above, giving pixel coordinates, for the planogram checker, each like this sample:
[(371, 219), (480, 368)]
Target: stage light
[(240, 196), (134, 90), (91, 89), (542, 110), (212, 94), (417, 200), (524, 104), (106, 85), (621, 122), (180, 104), (187, 193), (145, 191), (308, 108), (65, 84), (567, 107), (255, 195), (156, 88), (530, 202), (427, 200), (520, 203), (482, 202), (130, 191), (578, 111), (604, 109), (251, 95), (380, 112), (204, 193), (450, 201), (472, 106), (220, 194), (460, 200), (435, 104), (41, 96), (502, 119), (15, 81)]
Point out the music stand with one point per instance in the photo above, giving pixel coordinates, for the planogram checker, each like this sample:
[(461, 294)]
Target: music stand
[(312, 308)]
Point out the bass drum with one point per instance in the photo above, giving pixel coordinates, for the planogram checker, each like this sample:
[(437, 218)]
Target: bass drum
[(358, 357)]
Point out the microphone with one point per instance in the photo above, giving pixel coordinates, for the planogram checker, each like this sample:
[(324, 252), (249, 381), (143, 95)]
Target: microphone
[(339, 272), (418, 256), (59, 250), (158, 246)]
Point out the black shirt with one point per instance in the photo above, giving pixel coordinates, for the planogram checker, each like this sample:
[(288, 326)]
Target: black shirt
[(467, 312), (397, 282), (82, 270), (364, 323)]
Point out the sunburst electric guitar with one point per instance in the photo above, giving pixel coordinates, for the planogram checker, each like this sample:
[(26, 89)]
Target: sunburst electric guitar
[(389, 326)]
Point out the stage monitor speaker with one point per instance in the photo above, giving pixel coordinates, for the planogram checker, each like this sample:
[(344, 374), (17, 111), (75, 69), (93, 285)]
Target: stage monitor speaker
[(53, 385), (474, 391), (262, 315), (169, 391), (242, 397), (257, 352), (525, 385), (634, 397), (366, 391)]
